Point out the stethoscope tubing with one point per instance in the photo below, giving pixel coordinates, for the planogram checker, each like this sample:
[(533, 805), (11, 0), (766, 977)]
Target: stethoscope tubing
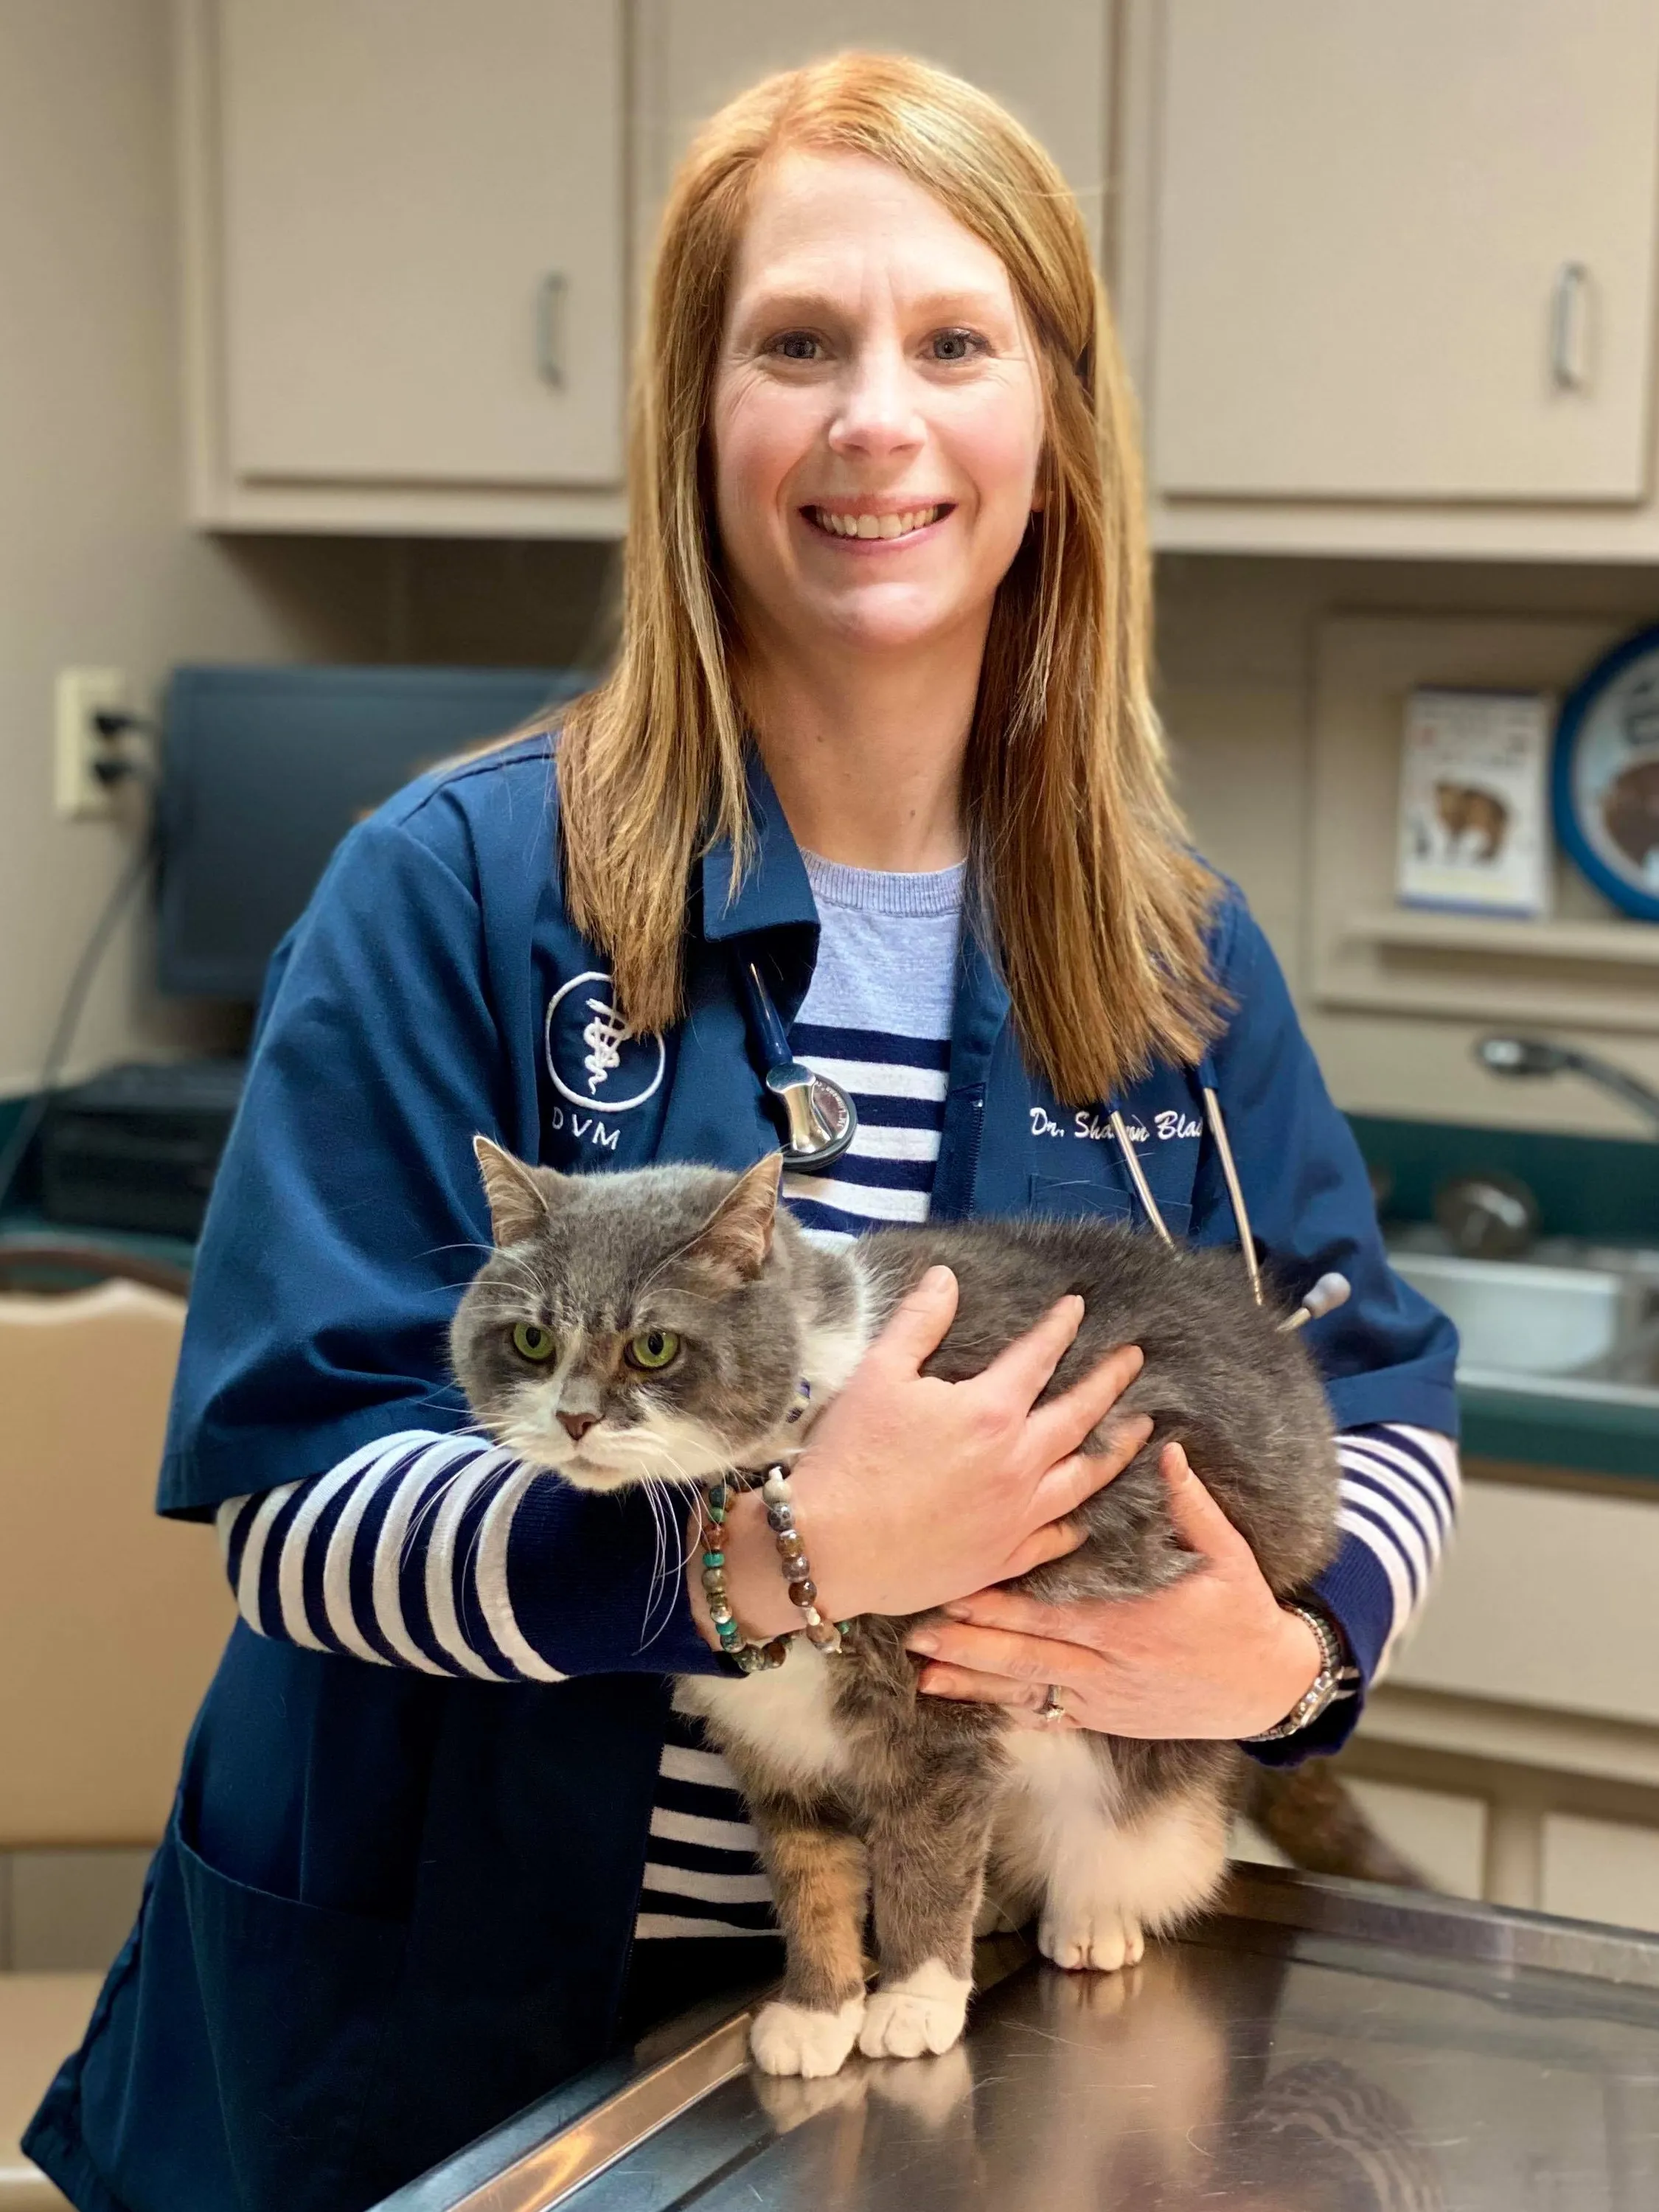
[(1229, 1174), (820, 1121)]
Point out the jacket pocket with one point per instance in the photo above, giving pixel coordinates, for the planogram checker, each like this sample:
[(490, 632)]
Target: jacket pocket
[(1102, 1202), (295, 1999)]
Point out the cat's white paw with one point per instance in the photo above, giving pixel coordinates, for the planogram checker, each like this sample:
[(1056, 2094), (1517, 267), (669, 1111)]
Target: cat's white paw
[(1090, 1938), (923, 2012), (786, 2038)]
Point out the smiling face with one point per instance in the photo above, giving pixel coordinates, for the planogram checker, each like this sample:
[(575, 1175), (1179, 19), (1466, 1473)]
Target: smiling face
[(876, 418)]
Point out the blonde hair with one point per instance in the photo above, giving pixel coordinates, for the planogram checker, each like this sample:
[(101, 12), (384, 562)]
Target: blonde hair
[(1097, 904)]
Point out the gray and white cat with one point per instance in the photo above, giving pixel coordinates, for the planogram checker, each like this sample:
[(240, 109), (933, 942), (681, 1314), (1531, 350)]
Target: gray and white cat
[(655, 1326)]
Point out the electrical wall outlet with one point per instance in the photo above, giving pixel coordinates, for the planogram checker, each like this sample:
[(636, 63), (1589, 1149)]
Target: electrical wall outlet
[(81, 694)]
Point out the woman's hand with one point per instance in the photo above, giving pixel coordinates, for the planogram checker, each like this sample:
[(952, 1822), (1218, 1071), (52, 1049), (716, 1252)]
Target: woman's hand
[(1214, 1654), (912, 1490)]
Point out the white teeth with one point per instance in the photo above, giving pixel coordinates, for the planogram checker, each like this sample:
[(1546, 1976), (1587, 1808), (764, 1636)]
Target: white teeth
[(876, 525)]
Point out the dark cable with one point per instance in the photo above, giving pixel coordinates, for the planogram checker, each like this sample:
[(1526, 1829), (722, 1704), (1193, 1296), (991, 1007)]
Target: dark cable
[(74, 1001)]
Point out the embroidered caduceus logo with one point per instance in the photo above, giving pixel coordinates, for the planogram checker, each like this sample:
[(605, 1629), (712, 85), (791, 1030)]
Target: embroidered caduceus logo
[(603, 1035), (600, 1051)]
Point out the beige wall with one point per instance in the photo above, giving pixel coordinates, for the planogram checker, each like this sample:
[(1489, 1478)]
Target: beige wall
[(94, 568), (1236, 667)]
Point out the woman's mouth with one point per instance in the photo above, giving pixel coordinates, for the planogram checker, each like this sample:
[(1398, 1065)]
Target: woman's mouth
[(907, 522)]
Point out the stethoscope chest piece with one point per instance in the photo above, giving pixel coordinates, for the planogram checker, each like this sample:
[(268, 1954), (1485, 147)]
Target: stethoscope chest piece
[(819, 1119)]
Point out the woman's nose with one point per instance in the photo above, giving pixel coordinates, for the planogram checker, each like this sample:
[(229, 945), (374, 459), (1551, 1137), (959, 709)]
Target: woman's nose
[(876, 412)]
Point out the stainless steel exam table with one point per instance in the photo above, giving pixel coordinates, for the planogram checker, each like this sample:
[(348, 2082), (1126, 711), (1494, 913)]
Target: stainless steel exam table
[(1319, 2046)]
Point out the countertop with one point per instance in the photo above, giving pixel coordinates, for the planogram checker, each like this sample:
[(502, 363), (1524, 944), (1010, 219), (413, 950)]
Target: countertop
[(1321, 2047)]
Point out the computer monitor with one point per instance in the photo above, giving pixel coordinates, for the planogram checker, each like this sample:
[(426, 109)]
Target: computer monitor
[(264, 771)]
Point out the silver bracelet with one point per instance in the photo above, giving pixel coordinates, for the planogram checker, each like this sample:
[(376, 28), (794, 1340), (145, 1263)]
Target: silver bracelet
[(1336, 1679)]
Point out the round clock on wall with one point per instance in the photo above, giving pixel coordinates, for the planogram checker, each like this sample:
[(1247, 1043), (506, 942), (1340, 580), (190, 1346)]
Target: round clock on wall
[(1606, 775)]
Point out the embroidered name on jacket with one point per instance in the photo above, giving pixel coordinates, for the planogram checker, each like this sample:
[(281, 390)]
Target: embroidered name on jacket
[(1099, 1131)]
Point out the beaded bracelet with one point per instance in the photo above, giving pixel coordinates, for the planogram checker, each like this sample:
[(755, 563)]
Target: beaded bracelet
[(753, 1658), (757, 1658), (827, 1635)]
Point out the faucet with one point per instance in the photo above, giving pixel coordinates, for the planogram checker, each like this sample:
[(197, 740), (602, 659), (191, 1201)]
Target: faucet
[(1525, 1056)]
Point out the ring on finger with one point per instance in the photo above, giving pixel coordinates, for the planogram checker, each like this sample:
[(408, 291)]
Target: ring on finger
[(1053, 1707)]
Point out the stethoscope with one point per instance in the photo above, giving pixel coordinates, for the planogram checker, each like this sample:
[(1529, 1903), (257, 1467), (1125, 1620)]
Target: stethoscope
[(820, 1121)]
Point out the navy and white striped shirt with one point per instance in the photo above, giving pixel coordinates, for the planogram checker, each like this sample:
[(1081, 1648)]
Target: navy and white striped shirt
[(419, 1550)]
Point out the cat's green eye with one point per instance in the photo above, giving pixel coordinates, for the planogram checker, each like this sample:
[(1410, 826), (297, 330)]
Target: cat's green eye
[(651, 1348), (532, 1343)]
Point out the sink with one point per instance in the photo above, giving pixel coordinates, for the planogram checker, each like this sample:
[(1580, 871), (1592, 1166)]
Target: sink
[(1570, 1318)]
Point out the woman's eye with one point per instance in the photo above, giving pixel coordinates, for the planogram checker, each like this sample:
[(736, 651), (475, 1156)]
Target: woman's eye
[(532, 1343), (793, 343), (651, 1348), (964, 344)]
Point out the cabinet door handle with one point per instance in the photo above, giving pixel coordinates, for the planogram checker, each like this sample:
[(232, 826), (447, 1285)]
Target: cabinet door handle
[(550, 328), (1567, 320)]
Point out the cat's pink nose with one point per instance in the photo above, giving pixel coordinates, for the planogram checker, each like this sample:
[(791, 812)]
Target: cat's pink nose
[(576, 1425)]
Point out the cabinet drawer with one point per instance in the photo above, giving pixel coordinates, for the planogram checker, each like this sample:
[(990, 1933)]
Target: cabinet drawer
[(1546, 1597), (1600, 1870)]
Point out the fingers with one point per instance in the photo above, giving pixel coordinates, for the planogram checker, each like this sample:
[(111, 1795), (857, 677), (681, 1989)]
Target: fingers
[(1023, 1367), (1065, 1486), (1052, 1541), (1198, 1521), (1023, 1699), (1060, 1427), (916, 1327), (1008, 1657), (1014, 1611)]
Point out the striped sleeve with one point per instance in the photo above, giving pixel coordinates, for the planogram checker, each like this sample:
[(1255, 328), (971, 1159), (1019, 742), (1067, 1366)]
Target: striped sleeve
[(444, 1553), (1400, 1489)]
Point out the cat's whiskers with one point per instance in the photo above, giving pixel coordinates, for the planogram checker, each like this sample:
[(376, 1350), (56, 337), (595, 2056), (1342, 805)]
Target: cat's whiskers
[(660, 1496), (659, 1492), (661, 1575), (529, 1445), (428, 1508)]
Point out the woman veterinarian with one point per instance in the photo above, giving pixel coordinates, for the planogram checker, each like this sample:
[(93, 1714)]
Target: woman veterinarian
[(880, 724)]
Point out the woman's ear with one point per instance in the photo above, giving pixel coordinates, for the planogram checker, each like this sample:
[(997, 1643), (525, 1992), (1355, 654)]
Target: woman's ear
[(736, 1240), (515, 1193)]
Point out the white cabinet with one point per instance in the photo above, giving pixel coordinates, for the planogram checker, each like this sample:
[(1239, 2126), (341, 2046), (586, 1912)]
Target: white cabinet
[(1546, 1600), (1600, 1870), (1390, 272), (1053, 69), (405, 245), (413, 229), (1442, 1832), (1513, 1748)]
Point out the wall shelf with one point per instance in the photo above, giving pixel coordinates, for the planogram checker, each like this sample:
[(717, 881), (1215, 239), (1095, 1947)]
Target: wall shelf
[(1397, 997), (1619, 944)]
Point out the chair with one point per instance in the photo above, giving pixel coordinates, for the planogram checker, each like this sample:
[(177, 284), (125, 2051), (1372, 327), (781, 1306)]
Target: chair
[(110, 1622)]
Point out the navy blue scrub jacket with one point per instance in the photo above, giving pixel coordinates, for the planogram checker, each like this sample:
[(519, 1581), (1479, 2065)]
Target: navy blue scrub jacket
[(391, 1908)]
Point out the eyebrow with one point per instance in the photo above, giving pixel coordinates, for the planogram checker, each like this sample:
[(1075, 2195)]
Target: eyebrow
[(791, 302)]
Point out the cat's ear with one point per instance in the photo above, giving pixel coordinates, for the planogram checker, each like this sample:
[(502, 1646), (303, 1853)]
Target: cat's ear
[(518, 1204), (736, 1239)]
